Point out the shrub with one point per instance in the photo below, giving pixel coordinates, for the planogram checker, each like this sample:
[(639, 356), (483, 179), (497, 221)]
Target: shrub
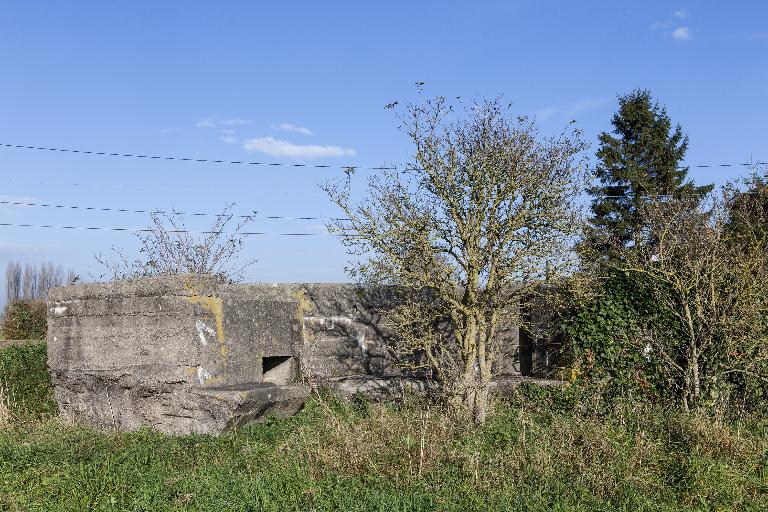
[(630, 340), (608, 333), (25, 320), (25, 383)]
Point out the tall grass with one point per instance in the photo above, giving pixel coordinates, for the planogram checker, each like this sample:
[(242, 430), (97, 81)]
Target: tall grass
[(557, 449), (24, 375), (6, 416), (636, 456)]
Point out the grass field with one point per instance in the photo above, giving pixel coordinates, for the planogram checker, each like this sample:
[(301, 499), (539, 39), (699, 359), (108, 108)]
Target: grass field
[(541, 450)]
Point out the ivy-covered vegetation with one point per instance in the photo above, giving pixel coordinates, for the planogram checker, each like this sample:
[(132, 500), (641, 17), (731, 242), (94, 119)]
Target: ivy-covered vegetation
[(605, 336), (25, 382)]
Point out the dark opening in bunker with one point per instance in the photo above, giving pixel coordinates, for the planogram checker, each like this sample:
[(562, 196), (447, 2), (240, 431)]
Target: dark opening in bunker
[(277, 369)]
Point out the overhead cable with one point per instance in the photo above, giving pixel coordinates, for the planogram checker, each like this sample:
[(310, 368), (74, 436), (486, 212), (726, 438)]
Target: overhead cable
[(275, 164), (191, 159), (255, 215), (147, 230)]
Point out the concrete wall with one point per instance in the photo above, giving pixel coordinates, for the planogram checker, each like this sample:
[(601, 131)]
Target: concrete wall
[(184, 354)]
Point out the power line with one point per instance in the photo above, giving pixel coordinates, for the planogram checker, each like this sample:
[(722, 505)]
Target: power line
[(146, 230), (156, 188), (190, 159), (635, 195), (704, 166), (255, 215), (642, 196), (278, 164)]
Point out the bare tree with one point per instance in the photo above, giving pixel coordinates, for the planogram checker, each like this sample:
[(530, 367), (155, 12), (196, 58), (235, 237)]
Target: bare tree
[(32, 284), (29, 285), (49, 275), (12, 281), (713, 281), (467, 230), (168, 247)]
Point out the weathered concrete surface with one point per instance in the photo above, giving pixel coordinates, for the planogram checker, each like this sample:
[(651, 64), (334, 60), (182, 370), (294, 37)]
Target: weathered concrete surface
[(188, 354), (377, 389), (123, 403), (340, 334), (178, 355)]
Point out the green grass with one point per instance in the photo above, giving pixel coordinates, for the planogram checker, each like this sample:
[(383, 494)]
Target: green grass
[(24, 378), (541, 450)]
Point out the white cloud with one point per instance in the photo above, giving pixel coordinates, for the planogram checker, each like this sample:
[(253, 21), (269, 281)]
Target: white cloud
[(681, 34), (290, 127), (22, 199), (573, 109), (217, 122), (281, 148), (320, 229), (545, 113), (226, 131), (587, 105), (678, 34), (229, 139), (660, 25)]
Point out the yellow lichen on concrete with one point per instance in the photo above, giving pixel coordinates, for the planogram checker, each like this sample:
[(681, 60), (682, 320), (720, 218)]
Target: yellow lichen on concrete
[(216, 379), (216, 306), (303, 306)]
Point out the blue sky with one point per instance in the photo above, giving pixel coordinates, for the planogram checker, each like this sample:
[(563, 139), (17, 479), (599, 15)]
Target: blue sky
[(307, 82)]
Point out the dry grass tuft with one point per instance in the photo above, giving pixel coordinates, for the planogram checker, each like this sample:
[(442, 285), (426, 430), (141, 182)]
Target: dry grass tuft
[(705, 436), (6, 414), (634, 449), (421, 441), (399, 444)]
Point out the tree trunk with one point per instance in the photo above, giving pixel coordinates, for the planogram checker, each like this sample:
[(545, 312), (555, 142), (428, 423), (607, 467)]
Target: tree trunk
[(480, 409), (688, 382), (692, 382), (474, 394), (695, 380)]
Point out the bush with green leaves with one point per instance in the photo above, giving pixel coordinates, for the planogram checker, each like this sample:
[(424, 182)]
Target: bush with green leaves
[(606, 336), (25, 381), (25, 320), (684, 313)]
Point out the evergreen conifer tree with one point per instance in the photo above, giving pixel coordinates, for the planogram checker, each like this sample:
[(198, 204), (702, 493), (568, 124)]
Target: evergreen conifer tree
[(641, 159)]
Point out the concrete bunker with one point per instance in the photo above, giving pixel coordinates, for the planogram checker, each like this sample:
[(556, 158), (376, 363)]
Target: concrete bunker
[(187, 354)]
